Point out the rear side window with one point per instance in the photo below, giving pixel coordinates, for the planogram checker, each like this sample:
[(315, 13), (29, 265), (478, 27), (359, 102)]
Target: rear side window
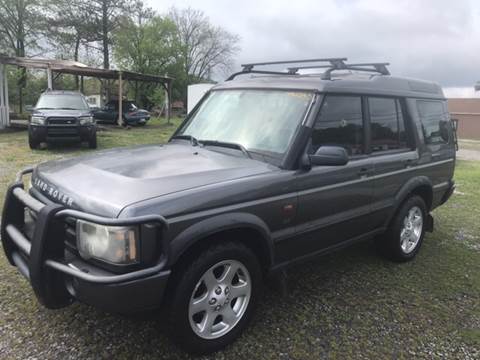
[(387, 124), (340, 124), (434, 122)]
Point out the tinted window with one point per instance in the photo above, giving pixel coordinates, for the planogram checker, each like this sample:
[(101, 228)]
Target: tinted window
[(434, 121), (387, 124), (340, 124)]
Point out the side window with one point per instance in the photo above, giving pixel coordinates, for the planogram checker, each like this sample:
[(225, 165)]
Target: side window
[(387, 124), (340, 123), (434, 122)]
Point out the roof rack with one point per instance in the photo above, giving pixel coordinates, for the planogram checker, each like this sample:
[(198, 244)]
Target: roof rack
[(334, 64), (249, 68)]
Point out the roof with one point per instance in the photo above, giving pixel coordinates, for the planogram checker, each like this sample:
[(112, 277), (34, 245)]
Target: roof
[(345, 83), (62, 92), (76, 68)]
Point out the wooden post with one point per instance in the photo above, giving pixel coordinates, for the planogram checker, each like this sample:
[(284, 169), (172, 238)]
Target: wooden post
[(2, 97), (81, 84), (120, 100), (168, 101), (49, 79), (4, 110)]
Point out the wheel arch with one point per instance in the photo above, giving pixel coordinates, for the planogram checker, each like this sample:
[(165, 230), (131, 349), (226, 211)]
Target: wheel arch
[(243, 227), (421, 186)]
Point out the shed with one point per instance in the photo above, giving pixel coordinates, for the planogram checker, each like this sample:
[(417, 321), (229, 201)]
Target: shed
[(74, 68)]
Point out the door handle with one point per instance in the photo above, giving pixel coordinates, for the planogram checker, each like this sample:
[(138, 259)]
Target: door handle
[(364, 172)]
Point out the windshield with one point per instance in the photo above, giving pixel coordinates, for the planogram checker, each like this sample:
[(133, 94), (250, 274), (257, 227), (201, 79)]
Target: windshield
[(259, 120), (68, 102)]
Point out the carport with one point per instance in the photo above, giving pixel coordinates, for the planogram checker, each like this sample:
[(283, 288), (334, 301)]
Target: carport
[(55, 67)]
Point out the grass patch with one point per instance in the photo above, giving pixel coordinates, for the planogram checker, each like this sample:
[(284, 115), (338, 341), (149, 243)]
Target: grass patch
[(351, 304)]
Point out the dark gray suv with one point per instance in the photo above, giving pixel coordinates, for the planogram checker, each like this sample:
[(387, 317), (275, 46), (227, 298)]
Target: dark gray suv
[(62, 116), (270, 168)]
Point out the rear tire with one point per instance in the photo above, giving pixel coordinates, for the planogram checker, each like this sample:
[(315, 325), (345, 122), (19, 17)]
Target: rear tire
[(214, 297), (404, 236)]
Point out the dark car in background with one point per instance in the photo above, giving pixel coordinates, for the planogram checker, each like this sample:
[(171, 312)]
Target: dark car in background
[(62, 116), (131, 114)]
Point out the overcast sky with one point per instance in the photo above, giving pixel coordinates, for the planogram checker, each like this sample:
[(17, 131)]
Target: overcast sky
[(432, 39)]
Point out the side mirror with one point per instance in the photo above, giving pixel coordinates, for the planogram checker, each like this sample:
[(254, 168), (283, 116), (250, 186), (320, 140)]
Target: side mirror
[(327, 156), (29, 108)]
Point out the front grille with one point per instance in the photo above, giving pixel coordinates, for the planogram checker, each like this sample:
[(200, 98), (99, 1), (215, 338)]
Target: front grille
[(62, 131), (30, 221), (71, 234), (62, 121)]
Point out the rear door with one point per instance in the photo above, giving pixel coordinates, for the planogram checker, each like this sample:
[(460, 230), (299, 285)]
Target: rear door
[(334, 201), (392, 150), (436, 143)]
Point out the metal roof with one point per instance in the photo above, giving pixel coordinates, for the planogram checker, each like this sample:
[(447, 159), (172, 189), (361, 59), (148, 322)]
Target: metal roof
[(76, 68), (344, 83)]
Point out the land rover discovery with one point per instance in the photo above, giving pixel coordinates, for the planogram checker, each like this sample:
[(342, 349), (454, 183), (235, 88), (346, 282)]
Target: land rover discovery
[(62, 116), (269, 169)]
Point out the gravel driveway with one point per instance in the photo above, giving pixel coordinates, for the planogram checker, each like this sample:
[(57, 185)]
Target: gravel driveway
[(468, 154)]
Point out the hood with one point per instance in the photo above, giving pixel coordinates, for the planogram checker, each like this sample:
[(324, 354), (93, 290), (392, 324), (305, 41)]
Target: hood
[(61, 113), (106, 182)]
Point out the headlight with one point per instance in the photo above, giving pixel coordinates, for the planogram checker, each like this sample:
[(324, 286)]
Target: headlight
[(85, 120), (38, 120), (114, 244)]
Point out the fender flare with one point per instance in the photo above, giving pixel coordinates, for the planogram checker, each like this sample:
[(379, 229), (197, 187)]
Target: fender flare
[(409, 187), (213, 225)]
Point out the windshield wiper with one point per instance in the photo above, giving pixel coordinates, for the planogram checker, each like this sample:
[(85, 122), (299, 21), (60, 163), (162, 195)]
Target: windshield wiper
[(193, 140), (67, 108), (44, 108), (226, 144)]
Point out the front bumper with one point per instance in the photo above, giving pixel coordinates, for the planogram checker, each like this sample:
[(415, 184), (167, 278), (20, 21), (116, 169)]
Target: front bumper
[(50, 133), (58, 276)]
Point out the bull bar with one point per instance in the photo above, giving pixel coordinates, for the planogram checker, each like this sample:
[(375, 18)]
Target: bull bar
[(41, 259)]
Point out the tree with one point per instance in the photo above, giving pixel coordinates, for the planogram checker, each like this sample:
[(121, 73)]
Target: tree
[(21, 25), (105, 17), (205, 48), (70, 27), (147, 44)]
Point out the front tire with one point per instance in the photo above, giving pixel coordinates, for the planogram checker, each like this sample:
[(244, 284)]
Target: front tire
[(92, 142), (33, 143), (214, 297), (404, 236)]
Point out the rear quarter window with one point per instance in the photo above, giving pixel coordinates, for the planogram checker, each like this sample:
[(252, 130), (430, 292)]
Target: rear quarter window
[(434, 121)]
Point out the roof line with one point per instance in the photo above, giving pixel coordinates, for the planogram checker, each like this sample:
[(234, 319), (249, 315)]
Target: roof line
[(77, 68)]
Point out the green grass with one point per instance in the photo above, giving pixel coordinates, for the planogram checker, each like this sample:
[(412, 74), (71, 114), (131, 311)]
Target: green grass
[(351, 304)]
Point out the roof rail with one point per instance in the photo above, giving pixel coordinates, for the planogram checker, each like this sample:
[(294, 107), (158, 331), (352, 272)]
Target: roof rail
[(334, 64), (249, 68)]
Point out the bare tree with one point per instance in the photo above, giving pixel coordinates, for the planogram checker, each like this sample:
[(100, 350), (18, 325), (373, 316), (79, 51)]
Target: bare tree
[(204, 48)]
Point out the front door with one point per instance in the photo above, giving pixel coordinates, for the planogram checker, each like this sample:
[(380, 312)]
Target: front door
[(334, 201)]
